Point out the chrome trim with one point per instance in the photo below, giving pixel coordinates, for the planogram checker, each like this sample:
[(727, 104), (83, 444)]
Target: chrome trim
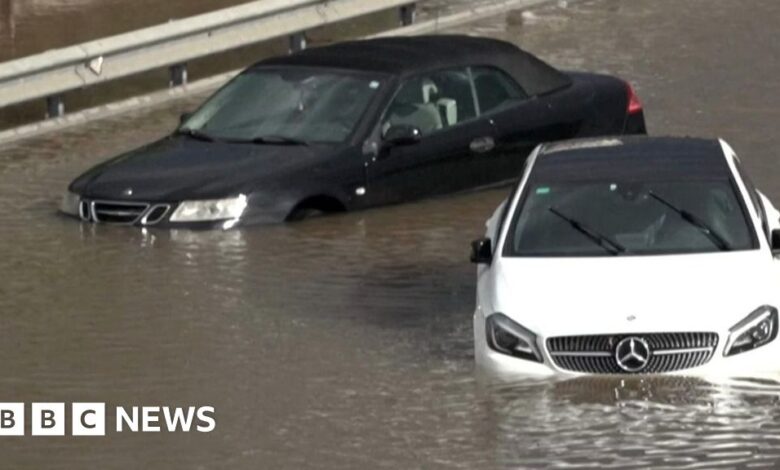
[(142, 206), (598, 354), (92, 215), (150, 210), (682, 351), (581, 353), (119, 203), (657, 352), (119, 213), (84, 211), (633, 348)]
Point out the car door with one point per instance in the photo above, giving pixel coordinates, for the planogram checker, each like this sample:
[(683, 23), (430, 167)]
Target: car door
[(521, 122), (442, 106)]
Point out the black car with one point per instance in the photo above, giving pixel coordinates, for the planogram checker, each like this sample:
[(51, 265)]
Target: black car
[(354, 125)]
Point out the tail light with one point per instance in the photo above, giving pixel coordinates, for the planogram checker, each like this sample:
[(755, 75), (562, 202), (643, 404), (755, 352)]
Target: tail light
[(634, 104)]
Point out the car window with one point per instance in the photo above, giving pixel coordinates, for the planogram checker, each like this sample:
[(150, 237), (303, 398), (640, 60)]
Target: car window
[(309, 104), (495, 89), (432, 102)]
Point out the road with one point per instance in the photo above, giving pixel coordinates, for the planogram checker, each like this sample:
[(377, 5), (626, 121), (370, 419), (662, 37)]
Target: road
[(345, 342)]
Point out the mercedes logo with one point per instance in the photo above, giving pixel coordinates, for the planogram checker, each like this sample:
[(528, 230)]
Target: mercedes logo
[(632, 354)]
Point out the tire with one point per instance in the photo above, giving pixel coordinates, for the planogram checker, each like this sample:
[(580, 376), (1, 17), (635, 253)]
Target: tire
[(305, 213)]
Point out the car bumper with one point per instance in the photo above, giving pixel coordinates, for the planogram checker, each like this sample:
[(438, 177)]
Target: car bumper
[(635, 124), (142, 214), (164, 224), (762, 361)]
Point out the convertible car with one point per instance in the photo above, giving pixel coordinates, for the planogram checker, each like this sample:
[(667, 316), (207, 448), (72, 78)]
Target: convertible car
[(350, 126), (630, 256)]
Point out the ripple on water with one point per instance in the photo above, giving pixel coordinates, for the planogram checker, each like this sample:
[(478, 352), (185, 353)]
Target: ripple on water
[(345, 342)]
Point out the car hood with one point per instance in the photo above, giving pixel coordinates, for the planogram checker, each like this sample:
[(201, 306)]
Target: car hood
[(177, 168), (702, 292)]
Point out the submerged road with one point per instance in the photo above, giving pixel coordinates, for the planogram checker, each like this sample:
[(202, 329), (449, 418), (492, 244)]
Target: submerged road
[(345, 342)]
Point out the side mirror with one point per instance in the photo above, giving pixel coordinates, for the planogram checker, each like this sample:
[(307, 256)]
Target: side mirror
[(481, 251), (402, 134), (184, 117), (775, 242)]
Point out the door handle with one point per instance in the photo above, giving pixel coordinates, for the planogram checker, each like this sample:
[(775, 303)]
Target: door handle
[(482, 144)]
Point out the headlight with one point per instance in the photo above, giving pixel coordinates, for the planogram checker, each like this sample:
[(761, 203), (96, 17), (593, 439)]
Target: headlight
[(214, 209), (507, 337), (70, 203), (756, 330)]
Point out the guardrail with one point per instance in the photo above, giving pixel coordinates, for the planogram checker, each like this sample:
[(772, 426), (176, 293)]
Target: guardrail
[(50, 74)]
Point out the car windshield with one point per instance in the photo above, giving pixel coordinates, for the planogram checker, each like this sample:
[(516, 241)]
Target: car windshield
[(283, 105), (604, 218)]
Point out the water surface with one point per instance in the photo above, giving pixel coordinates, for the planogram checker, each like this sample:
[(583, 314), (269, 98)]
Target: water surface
[(345, 342)]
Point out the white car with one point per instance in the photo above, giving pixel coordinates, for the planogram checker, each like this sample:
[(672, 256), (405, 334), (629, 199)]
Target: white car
[(633, 255)]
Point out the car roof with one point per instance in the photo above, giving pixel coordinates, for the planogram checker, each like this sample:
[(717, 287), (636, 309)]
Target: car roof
[(403, 56), (632, 157)]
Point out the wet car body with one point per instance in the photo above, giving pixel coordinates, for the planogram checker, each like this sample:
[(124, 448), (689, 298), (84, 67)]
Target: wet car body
[(662, 257), (434, 115)]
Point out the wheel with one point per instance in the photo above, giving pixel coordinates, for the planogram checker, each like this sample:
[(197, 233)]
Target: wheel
[(305, 213)]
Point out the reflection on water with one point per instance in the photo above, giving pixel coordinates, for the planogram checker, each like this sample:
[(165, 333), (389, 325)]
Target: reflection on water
[(660, 422), (345, 342)]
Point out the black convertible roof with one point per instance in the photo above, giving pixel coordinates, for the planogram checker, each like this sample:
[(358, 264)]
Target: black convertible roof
[(416, 54), (632, 158)]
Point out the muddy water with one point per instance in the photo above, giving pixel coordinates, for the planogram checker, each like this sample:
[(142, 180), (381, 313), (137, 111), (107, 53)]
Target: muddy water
[(345, 342)]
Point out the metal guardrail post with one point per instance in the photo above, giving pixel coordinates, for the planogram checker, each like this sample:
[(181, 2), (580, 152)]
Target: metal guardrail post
[(408, 14), (297, 42), (178, 74), (55, 107)]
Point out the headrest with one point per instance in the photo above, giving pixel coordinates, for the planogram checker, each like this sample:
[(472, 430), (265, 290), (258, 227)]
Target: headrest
[(429, 89)]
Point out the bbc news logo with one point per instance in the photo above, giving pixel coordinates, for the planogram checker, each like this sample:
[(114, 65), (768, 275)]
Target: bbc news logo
[(89, 419)]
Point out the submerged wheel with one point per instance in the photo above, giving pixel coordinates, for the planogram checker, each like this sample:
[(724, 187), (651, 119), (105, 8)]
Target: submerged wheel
[(315, 207), (305, 213)]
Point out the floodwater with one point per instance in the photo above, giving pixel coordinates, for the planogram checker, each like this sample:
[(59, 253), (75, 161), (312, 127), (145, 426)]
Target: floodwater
[(345, 342)]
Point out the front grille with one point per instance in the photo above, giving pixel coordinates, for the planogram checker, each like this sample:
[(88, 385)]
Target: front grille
[(117, 212), (123, 212), (596, 354)]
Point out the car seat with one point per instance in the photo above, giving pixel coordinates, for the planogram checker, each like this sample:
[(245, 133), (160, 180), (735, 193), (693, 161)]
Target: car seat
[(677, 232), (413, 107)]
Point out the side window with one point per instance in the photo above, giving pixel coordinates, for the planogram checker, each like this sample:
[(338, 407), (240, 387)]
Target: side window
[(432, 102), (754, 197), (495, 89)]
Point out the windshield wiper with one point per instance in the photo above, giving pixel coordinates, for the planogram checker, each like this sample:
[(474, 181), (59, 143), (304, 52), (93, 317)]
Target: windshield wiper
[(714, 236), (277, 140), (608, 244), (195, 134)]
